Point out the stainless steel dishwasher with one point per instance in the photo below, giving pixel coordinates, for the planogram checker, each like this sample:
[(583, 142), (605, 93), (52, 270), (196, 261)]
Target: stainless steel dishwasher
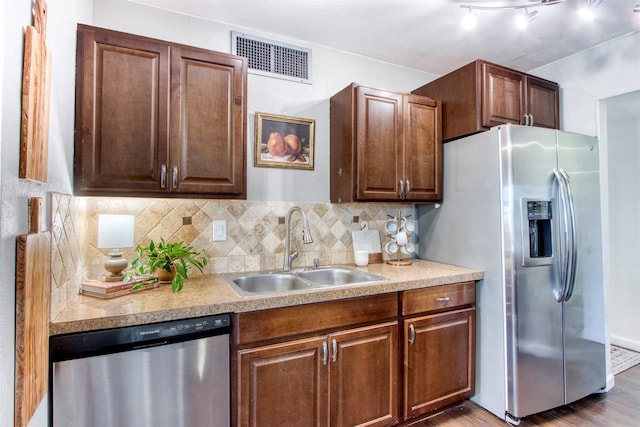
[(163, 374)]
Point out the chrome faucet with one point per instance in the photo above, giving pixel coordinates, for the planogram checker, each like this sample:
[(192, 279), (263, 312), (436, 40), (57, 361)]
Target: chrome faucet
[(306, 236)]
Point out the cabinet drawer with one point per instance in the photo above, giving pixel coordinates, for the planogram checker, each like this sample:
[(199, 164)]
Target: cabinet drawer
[(266, 325), (438, 298)]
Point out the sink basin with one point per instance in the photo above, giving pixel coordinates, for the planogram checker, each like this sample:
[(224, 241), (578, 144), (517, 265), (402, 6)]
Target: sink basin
[(255, 284), (335, 276)]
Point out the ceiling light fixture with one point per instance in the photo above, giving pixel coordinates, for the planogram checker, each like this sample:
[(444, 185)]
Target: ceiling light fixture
[(470, 19), (636, 8), (523, 19)]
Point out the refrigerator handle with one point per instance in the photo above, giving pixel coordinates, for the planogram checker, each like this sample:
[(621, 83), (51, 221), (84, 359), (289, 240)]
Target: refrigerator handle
[(573, 251), (563, 238)]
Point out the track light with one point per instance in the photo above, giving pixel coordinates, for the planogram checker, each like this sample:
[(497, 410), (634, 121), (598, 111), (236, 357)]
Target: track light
[(523, 19), (469, 20)]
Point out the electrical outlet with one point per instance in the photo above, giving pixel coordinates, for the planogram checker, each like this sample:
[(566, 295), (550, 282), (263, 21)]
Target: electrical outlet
[(219, 231)]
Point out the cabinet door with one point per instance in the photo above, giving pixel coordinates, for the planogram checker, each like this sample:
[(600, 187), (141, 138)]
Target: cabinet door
[(502, 96), (423, 149), (379, 144), (439, 360), (121, 112), (543, 102), (283, 384), (363, 376), (208, 112)]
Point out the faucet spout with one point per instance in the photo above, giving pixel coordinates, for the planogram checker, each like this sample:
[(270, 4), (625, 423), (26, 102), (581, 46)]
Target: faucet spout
[(306, 236)]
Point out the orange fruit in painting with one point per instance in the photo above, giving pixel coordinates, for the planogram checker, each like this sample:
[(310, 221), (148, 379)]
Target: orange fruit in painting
[(293, 144), (276, 144)]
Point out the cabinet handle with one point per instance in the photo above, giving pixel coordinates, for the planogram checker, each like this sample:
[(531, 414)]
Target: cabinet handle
[(175, 177), (526, 119), (408, 188), (401, 189), (412, 334), (443, 299), (163, 176), (531, 120), (334, 347), (325, 352)]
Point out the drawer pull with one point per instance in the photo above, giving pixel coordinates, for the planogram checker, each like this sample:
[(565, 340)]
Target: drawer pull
[(412, 334), (443, 299)]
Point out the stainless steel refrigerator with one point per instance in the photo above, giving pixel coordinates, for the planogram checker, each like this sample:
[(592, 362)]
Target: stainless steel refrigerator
[(523, 205)]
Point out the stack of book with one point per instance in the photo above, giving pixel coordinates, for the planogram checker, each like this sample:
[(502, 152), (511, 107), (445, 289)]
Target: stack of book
[(102, 289)]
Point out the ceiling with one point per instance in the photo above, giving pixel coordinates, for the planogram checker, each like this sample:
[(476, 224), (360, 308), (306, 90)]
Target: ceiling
[(424, 35)]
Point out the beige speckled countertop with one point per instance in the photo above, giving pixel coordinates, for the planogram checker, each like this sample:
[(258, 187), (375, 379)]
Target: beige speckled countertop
[(211, 295)]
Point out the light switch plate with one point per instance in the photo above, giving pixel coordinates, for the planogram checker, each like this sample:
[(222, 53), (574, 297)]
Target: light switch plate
[(219, 231)]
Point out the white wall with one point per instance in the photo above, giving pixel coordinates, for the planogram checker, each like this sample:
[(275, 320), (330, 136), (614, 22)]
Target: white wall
[(332, 71), (624, 231), (606, 70)]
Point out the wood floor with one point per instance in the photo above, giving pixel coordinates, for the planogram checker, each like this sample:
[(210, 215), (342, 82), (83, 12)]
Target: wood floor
[(620, 407)]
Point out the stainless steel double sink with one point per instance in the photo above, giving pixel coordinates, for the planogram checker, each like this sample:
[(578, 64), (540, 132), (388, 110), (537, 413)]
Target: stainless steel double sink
[(253, 284)]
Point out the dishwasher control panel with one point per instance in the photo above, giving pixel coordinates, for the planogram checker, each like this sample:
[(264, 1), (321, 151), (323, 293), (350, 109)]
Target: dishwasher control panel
[(179, 327)]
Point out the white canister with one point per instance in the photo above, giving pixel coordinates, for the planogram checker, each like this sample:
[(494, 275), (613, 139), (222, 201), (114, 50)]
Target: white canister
[(361, 258)]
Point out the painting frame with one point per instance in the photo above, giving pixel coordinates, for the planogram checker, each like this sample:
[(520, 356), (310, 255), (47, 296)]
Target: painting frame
[(284, 152)]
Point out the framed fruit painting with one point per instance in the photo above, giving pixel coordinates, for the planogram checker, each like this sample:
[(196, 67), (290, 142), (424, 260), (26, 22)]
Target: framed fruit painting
[(284, 142)]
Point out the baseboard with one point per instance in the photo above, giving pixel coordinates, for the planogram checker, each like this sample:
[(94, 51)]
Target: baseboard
[(625, 343)]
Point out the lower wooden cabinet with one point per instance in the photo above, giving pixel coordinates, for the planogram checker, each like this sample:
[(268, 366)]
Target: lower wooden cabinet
[(339, 363), (439, 362), (439, 347), (347, 378), (283, 384)]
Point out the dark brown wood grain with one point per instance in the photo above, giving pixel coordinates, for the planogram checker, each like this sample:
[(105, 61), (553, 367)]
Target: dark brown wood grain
[(157, 118), (268, 325), (380, 138), (438, 298), (480, 95), (439, 366)]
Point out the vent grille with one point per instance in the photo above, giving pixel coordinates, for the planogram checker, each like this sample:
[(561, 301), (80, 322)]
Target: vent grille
[(273, 59)]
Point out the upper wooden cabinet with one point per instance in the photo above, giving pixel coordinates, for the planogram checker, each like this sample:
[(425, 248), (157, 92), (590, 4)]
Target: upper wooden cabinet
[(158, 119), (481, 95), (385, 146)]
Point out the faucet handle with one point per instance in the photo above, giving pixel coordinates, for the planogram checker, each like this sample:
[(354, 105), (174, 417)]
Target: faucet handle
[(316, 262)]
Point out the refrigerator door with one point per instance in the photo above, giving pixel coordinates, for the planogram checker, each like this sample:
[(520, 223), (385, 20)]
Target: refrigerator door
[(534, 338), (584, 310)]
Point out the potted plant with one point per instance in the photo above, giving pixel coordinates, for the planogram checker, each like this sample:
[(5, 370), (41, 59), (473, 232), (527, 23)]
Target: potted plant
[(170, 262)]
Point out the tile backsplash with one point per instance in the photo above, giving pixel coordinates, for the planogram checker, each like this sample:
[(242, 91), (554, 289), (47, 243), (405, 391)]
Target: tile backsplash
[(255, 234)]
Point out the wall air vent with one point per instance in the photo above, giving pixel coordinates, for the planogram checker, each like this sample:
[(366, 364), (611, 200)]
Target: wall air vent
[(273, 59)]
